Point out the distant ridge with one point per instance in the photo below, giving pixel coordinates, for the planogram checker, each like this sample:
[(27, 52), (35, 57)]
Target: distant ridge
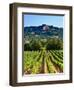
[(44, 31)]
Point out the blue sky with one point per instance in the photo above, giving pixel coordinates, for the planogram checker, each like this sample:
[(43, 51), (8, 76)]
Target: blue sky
[(36, 20)]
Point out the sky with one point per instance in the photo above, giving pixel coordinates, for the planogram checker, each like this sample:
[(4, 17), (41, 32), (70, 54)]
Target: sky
[(36, 20)]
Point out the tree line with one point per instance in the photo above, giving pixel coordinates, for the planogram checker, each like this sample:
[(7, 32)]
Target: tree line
[(48, 44)]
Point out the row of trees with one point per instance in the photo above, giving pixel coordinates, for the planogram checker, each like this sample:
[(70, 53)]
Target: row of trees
[(48, 44)]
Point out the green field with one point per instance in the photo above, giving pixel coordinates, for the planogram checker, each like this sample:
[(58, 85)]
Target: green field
[(43, 61)]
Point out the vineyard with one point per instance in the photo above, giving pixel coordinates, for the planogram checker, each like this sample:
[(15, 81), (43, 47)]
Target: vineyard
[(43, 61)]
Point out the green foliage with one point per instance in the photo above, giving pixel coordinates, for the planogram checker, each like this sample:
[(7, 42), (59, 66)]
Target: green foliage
[(56, 62), (48, 44), (54, 44), (50, 66), (35, 45), (56, 57), (36, 61), (27, 47), (30, 58)]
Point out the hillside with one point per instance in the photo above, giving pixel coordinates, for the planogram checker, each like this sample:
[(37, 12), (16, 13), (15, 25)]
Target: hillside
[(43, 31)]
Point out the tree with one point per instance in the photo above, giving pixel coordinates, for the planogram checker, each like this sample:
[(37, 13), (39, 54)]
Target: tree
[(27, 47), (54, 44), (36, 45)]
